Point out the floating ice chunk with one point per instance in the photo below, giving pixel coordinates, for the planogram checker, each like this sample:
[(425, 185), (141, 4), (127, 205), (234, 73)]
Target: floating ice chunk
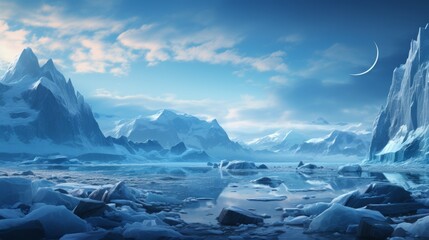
[(57, 221), (14, 190), (268, 199), (239, 165), (300, 220), (418, 229), (51, 197), (338, 217)]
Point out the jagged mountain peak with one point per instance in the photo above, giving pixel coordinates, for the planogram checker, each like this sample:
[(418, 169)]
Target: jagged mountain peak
[(26, 64)]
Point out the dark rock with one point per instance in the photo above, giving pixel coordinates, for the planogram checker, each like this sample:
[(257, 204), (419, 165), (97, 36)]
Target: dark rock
[(89, 208), (215, 165), (209, 164), (60, 190), (98, 194), (236, 216), (380, 193), (395, 209), (300, 164), (267, 181), (27, 173), (262, 166), (172, 221), (372, 229), (25, 231), (308, 166)]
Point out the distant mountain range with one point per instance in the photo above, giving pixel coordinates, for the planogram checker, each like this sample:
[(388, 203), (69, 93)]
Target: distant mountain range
[(170, 128), (278, 141), (337, 142)]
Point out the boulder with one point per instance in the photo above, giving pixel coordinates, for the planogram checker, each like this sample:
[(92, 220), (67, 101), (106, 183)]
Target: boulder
[(350, 169), (240, 165), (236, 216), (379, 193), (395, 209), (262, 166), (373, 229), (267, 181), (89, 208)]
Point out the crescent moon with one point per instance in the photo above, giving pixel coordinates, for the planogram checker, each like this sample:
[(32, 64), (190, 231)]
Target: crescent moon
[(372, 66)]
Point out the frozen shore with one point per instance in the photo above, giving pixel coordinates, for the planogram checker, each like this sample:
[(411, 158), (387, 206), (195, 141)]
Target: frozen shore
[(64, 204)]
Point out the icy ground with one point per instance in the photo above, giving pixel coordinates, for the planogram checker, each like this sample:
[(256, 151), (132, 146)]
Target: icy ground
[(192, 195)]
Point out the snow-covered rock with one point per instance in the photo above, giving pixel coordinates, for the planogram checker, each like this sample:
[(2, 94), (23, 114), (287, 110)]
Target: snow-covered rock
[(401, 129), (240, 165), (338, 217), (337, 142), (350, 168), (170, 128), (379, 193)]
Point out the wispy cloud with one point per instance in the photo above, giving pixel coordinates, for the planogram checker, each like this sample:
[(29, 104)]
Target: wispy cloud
[(10, 41), (209, 45), (291, 38)]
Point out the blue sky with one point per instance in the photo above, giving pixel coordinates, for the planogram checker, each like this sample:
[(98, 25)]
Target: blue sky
[(256, 66)]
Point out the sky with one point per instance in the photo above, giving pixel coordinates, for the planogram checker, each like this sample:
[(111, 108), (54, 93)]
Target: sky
[(255, 66)]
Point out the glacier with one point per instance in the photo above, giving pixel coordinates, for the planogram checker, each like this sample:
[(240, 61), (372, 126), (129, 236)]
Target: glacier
[(400, 131)]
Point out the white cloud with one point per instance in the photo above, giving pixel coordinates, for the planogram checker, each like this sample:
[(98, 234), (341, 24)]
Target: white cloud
[(11, 41), (278, 79), (54, 17), (209, 45)]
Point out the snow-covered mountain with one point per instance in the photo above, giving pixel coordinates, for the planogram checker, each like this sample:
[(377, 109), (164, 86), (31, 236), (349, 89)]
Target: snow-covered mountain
[(337, 142), (170, 128), (278, 141), (39, 109), (401, 129)]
